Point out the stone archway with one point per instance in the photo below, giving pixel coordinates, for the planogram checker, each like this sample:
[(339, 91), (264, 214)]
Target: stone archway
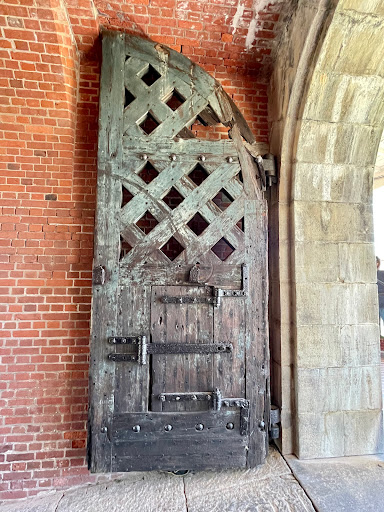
[(327, 117)]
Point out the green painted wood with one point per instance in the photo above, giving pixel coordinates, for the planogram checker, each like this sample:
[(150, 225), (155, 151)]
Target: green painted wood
[(129, 302), (105, 298)]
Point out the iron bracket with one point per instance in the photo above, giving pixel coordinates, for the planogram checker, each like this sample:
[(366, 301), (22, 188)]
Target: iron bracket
[(216, 401), (218, 293), (274, 422)]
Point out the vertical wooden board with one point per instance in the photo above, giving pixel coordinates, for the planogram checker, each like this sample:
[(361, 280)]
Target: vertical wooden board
[(185, 323), (106, 253), (132, 379), (257, 350), (229, 327)]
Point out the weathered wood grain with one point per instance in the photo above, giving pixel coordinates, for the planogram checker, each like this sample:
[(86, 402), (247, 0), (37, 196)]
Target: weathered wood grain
[(181, 323), (229, 326), (132, 380), (107, 239), (124, 395), (256, 336)]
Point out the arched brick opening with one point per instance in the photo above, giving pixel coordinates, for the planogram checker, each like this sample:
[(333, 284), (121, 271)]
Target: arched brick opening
[(327, 119)]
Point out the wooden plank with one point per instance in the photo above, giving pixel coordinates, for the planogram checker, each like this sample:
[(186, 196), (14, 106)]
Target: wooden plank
[(256, 344), (222, 275), (252, 185), (229, 326), (154, 447), (180, 323), (214, 458), (183, 425), (132, 379), (107, 239), (189, 149)]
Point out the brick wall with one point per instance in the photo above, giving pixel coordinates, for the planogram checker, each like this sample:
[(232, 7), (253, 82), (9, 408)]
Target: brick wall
[(50, 56)]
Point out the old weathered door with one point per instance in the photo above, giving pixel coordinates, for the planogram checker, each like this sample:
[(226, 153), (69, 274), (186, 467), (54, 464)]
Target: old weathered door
[(179, 355)]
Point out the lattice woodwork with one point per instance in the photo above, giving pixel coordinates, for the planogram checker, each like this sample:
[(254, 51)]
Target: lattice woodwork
[(161, 102)]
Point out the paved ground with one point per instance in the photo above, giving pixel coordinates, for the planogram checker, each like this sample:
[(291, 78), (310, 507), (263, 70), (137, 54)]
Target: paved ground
[(270, 488), (347, 484)]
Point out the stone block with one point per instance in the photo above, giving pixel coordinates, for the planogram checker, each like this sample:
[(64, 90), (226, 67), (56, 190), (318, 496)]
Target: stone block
[(320, 435), (354, 44), (365, 6), (359, 345), (316, 304), (336, 304), (357, 303), (316, 262), (337, 143), (332, 222), (254, 490), (338, 389), (357, 263), (151, 491), (363, 432), (318, 346), (330, 182), (345, 99)]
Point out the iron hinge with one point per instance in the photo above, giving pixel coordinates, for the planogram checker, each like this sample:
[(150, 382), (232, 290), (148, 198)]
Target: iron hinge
[(268, 163), (274, 422), (140, 348)]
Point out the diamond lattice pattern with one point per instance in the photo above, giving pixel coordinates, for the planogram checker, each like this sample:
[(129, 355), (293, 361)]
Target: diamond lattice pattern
[(179, 205), (188, 211)]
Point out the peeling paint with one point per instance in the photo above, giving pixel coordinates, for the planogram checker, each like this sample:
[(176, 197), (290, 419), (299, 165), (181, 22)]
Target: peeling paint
[(257, 7), (238, 14)]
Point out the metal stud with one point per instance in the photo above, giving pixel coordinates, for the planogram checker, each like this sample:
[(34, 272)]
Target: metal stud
[(229, 159), (230, 426), (144, 157), (136, 428), (162, 398), (177, 398), (199, 426), (202, 158), (168, 428), (173, 157), (104, 430)]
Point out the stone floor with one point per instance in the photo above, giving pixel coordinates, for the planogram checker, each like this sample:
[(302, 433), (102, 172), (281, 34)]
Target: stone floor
[(348, 484), (269, 488)]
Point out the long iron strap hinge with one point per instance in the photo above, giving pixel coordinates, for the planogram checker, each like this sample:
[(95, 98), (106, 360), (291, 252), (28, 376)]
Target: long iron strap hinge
[(274, 422), (139, 348)]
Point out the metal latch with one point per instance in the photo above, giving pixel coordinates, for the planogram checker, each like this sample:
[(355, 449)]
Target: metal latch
[(98, 275), (141, 348), (216, 401), (218, 293)]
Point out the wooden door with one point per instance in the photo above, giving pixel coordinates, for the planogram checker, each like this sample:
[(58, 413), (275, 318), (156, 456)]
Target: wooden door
[(179, 348)]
